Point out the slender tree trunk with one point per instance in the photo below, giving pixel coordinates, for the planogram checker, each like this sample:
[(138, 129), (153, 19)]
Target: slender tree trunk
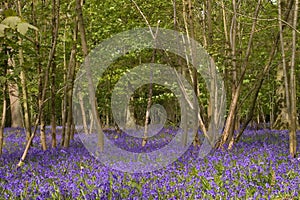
[(24, 85), (43, 129), (15, 105), (22, 159), (45, 84), (42, 94), (188, 68), (233, 106), (130, 119), (92, 92), (234, 86), (263, 116), (85, 127), (43, 87), (3, 117), (68, 93), (194, 70), (262, 76), (72, 129), (211, 108), (64, 100), (147, 117), (293, 92), (189, 28), (209, 39), (283, 57), (251, 109), (71, 74), (53, 112), (282, 105), (91, 121), (55, 25), (149, 102), (27, 118), (41, 91)]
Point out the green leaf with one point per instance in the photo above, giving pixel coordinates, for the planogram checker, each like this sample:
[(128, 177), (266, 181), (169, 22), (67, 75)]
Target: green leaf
[(22, 28), (2, 28), (2, 80), (246, 81), (12, 21), (205, 183), (15, 22), (218, 181)]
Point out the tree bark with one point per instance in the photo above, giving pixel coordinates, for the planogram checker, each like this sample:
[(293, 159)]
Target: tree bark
[(69, 82), (3, 117), (282, 106), (259, 83), (42, 90), (68, 93), (15, 105), (233, 105), (282, 90), (190, 32), (293, 109), (235, 88), (92, 92), (55, 25), (24, 85)]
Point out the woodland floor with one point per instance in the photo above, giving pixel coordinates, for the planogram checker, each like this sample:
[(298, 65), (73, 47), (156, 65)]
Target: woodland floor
[(258, 167)]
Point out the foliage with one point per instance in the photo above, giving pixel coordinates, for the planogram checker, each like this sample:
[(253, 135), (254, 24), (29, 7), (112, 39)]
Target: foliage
[(106, 18)]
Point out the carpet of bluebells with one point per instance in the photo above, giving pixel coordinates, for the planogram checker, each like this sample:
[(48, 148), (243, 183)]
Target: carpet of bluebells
[(258, 167)]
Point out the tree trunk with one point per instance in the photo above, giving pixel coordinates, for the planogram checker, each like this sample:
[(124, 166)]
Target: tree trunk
[(282, 105), (281, 112), (24, 85), (3, 117), (43, 84), (190, 32), (15, 106), (42, 90), (46, 80), (92, 92), (69, 82), (71, 74), (293, 92), (68, 93), (43, 129), (55, 26), (147, 117), (233, 105), (262, 77), (235, 87), (130, 119)]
